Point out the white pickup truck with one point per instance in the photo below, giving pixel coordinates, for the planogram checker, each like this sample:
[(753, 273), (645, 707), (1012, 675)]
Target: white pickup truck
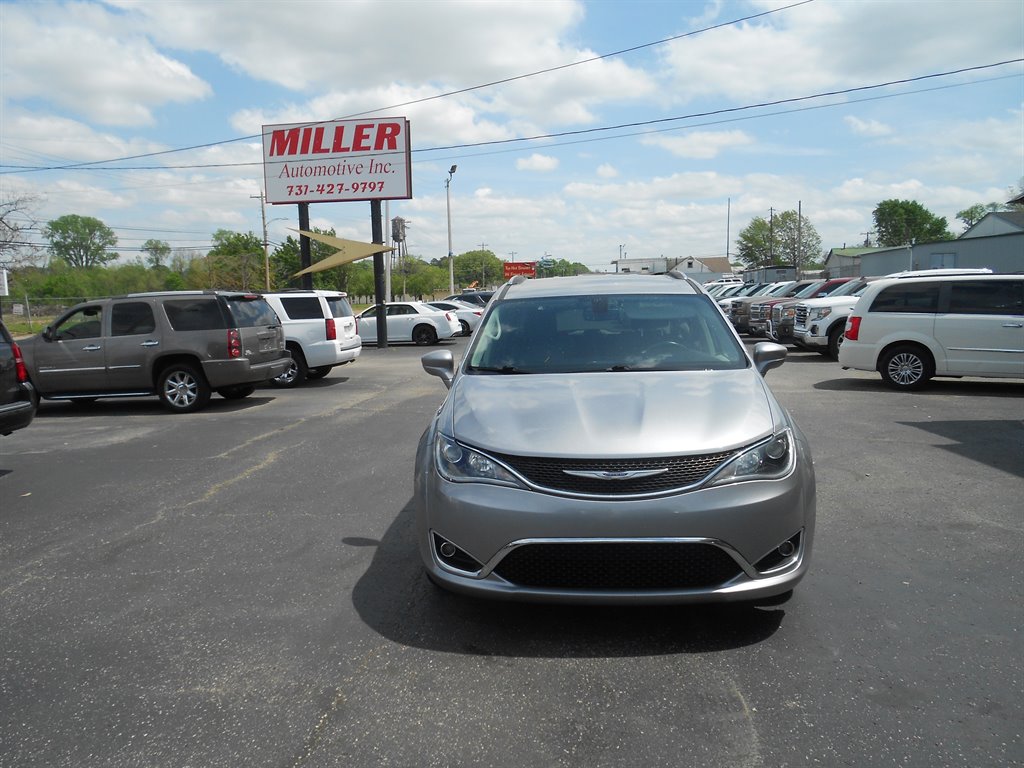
[(819, 323)]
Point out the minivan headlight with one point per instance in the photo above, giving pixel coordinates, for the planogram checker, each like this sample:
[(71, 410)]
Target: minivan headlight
[(460, 464), (770, 460)]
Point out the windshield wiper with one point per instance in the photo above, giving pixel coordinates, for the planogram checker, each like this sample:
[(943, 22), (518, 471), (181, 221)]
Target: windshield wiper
[(618, 368), (496, 369)]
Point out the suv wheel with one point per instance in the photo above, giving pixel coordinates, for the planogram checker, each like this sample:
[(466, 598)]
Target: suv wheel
[(906, 367), (295, 374), (182, 388), (424, 335)]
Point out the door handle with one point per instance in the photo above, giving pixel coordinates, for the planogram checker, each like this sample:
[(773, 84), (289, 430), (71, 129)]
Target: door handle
[(150, 343), (92, 348), (1013, 325)]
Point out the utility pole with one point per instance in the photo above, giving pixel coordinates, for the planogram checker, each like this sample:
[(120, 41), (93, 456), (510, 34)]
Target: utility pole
[(266, 244), (483, 267), (771, 237)]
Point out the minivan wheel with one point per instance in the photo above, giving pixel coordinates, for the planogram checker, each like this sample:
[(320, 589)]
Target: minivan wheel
[(906, 367), (424, 335), (182, 388), (835, 339), (294, 374)]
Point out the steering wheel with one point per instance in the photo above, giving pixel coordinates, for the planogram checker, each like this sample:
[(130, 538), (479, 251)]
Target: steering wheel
[(666, 348)]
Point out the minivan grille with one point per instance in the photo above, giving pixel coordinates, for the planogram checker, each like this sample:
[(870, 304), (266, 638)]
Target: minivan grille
[(680, 472), (627, 565)]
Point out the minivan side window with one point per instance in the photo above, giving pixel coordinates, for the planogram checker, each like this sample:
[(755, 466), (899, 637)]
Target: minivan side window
[(987, 297), (302, 308), (907, 297), (131, 317)]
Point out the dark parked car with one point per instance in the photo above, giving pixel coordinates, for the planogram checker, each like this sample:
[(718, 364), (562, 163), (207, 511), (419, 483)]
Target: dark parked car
[(17, 397), (178, 345), (480, 298), (609, 439)]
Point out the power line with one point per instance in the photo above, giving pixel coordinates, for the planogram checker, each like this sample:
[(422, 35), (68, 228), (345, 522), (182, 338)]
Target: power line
[(585, 131), (436, 96)]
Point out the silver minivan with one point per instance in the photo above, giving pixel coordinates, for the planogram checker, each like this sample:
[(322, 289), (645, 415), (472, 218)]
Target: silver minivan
[(610, 439)]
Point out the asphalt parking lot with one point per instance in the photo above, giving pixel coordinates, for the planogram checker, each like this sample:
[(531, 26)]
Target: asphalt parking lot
[(241, 587)]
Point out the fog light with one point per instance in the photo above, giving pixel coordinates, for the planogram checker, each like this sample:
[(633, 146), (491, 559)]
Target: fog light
[(448, 549)]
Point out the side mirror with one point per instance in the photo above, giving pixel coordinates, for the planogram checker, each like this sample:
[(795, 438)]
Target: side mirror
[(440, 363), (48, 333), (768, 355)]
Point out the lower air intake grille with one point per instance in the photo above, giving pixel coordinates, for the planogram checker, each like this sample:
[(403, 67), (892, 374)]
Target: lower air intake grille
[(617, 566)]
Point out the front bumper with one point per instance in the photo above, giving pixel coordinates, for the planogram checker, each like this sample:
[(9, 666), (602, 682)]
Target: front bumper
[(808, 337), (739, 527)]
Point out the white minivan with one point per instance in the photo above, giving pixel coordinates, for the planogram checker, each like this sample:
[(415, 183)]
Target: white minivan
[(912, 328)]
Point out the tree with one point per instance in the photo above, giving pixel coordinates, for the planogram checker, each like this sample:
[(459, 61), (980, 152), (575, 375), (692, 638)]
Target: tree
[(904, 222), (16, 219), (234, 262), (80, 241), (786, 239), (478, 269), (974, 214), (157, 251)]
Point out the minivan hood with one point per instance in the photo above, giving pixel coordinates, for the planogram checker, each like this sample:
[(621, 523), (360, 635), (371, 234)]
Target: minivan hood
[(616, 414)]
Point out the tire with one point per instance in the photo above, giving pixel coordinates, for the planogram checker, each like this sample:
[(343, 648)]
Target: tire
[(906, 367), (295, 374), (318, 373), (835, 339), (237, 392), (424, 335), (465, 327), (182, 388)]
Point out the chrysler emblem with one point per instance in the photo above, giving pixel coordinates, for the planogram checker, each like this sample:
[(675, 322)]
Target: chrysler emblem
[(627, 475)]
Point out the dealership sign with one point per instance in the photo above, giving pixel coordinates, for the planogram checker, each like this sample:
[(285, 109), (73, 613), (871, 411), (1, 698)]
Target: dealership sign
[(513, 268), (339, 160)]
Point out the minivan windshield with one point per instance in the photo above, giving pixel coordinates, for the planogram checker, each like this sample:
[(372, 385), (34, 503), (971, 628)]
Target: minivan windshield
[(613, 332)]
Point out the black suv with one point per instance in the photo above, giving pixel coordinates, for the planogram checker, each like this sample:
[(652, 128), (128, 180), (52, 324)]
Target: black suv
[(178, 345), (17, 397)]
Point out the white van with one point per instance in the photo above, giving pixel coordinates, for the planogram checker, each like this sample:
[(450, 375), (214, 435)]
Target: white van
[(912, 328)]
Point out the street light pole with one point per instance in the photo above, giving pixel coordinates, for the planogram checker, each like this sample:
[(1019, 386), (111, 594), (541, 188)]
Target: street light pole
[(451, 256)]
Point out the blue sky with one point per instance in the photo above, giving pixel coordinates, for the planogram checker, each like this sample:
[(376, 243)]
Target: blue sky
[(92, 82)]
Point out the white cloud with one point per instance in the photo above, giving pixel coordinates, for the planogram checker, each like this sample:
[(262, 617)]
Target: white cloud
[(607, 171), (870, 128), (88, 65), (700, 144), (537, 162)]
